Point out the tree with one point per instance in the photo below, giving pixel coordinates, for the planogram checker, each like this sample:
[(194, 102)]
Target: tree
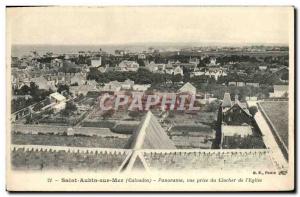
[(74, 84), (212, 107), (62, 88), (141, 63), (134, 114), (253, 110), (34, 91), (69, 109), (49, 112), (176, 78), (71, 106), (107, 114), (24, 90), (29, 120), (285, 76), (38, 106)]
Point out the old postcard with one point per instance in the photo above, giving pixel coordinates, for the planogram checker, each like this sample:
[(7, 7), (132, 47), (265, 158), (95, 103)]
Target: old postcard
[(150, 99)]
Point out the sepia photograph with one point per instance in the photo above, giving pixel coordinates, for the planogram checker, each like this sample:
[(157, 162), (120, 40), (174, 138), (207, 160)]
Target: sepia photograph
[(150, 98)]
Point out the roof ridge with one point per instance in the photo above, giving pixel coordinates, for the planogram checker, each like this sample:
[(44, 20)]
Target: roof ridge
[(150, 134), (138, 143)]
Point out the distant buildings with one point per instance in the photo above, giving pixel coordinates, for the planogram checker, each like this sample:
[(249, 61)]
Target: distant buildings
[(213, 62), (169, 69), (178, 71), (214, 72), (126, 66), (112, 86), (155, 68), (141, 56), (82, 89), (237, 83), (195, 61), (115, 86), (43, 83), (253, 84), (262, 68), (121, 52), (78, 79), (104, 69)]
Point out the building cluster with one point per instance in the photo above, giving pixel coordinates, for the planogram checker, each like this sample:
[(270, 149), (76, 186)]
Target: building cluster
[(227, 132)]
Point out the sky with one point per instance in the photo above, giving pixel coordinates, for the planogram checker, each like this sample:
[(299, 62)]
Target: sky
[(125, 25)]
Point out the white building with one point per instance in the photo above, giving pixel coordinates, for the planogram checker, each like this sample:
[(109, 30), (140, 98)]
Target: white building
[(58, 101), (155, 68), (141, 56), (112, 86), (280, 91), (252, 84), (143, 88), (178, 71), (235, 130), (96, 62), (127, 84), (213, 62), (262, 68), (83, 89), (126, 65)]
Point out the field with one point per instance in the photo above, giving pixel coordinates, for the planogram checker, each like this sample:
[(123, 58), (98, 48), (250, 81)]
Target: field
[(73, 141)]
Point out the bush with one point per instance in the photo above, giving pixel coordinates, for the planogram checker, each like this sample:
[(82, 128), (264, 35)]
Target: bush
[(253, 110)]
